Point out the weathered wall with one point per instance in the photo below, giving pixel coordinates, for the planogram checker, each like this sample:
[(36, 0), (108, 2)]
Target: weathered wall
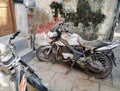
[(70, 5), (43, 14), (85, 13), (108, 9), (21, 19)]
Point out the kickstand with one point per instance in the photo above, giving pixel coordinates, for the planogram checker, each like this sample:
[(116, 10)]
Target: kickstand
[(70, 68), (53, 61)]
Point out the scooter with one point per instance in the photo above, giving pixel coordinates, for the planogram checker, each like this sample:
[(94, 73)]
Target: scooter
[(20, 72), (94, 57)]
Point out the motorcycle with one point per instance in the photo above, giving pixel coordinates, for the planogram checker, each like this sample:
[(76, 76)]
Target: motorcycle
[(20, 72), (94, 57)]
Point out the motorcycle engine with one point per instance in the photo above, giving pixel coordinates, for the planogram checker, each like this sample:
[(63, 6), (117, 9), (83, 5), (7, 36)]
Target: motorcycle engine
[(67, 55)]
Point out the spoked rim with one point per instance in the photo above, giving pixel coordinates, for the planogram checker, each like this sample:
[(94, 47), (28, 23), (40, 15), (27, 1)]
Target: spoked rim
[(44, 54)]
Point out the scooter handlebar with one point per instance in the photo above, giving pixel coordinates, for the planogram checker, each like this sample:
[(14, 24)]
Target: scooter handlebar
[(14, 35)]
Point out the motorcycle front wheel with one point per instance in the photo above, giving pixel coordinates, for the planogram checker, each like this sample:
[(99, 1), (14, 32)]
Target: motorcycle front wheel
[(44, 53)]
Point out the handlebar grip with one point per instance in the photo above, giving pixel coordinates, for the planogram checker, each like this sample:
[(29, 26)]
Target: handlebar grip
[(16, 34), (61, 23)]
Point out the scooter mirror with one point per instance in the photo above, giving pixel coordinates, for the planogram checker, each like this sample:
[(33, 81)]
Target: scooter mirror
[(29, 3)]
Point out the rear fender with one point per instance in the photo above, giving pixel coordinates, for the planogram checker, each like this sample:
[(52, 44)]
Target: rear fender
[(112, 57), (109, 47)]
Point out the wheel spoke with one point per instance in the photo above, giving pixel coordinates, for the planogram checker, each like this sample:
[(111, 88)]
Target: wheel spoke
[(44, 54)]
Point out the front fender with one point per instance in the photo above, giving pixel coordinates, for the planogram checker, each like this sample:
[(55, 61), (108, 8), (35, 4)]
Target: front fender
[(42, 39)]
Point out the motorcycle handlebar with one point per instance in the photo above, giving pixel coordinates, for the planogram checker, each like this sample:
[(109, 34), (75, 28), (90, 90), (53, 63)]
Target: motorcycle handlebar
[(16, 34), (59, 29)]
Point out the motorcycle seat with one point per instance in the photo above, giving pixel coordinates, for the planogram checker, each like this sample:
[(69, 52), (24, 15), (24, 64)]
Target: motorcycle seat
[(92, 44)]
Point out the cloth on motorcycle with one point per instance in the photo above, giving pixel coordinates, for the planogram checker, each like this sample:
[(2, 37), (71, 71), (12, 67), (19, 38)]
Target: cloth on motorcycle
[(90, 44)]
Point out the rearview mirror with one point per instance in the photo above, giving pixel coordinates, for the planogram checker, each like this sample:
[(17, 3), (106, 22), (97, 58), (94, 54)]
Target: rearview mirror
[(29, 3)]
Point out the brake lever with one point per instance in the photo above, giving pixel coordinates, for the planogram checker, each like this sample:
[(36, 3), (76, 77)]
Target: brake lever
[(70, 32)]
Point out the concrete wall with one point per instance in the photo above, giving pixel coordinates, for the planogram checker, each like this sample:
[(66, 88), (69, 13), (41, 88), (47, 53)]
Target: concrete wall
[(43, 12), (21, 19), (70, 5), (108, 9)]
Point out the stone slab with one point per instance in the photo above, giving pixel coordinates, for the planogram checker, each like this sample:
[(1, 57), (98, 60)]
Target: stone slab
[(45, 75), (85, 85), (108, 88), (45, 65), (59, 67), (62, 82)]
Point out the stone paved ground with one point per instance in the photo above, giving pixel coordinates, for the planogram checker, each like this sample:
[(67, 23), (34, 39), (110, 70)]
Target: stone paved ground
[(76, 80)]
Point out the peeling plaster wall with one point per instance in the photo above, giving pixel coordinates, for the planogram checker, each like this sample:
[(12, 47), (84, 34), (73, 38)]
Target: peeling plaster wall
[(43, 14), (70, 5), (107, 7)]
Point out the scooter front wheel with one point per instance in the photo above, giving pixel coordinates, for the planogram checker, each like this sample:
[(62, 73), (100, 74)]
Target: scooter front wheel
[(44, 53), (36, 82)]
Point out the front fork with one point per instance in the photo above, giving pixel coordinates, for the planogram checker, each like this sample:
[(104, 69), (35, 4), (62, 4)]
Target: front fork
[(20, 79)]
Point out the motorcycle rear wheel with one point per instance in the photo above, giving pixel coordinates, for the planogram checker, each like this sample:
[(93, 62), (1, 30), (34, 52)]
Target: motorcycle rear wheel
[(106, 63), (42, 55)]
